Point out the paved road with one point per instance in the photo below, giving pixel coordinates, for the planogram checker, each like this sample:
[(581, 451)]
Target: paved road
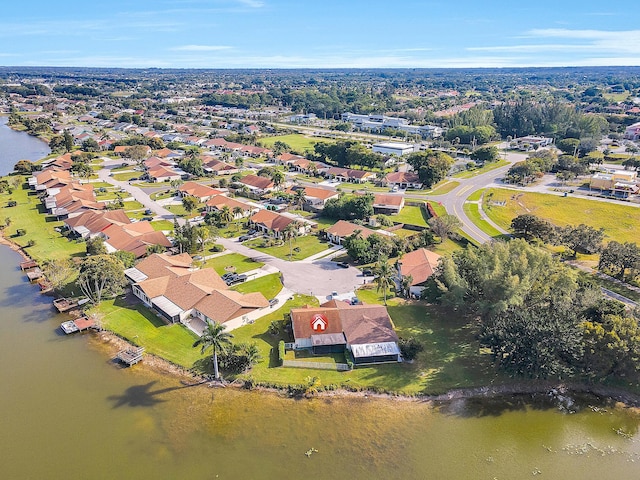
[(317, 277), (138, 194)]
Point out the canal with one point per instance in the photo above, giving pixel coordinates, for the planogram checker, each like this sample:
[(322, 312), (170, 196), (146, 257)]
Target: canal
[(16, 146)]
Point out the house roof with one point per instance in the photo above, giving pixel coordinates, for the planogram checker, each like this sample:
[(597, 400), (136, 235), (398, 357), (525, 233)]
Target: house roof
[(342, 229), (315, 192), (288, 157), (198, 190), (361, 324), (271, 220), (420, 264), (386, 200), (256, 181), (160, 172), (97, 221), (219, 201), (134, 237), (224, 305), (402, 177)]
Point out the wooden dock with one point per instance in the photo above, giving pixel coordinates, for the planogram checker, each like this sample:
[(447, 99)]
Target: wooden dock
[(130, 356), (28, 265), (77, 325), (34, 274), (66, 304)]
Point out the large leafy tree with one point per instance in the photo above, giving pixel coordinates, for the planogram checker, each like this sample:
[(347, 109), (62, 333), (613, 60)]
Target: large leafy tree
[(619, 258), (430, 165), (444, 225), (215, 337), (581, 238), (100, 276), (529, 226)]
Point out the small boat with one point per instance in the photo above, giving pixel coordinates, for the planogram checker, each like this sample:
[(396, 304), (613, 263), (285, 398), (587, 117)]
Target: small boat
[(69, 327)]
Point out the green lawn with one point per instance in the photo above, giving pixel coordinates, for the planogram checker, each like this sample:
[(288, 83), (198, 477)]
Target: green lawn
[(29, 215), (123, 177), (438, 208), (443, 188), (240, 262), (450, 358), (308, 245), (162, 195), (412, 216), (473, 212), (133, 205), (296, 141), (447, 247), (268, 285), (97, 185), (137, 324), (162, 225), (620, 221), (479, 171), (475, 196)]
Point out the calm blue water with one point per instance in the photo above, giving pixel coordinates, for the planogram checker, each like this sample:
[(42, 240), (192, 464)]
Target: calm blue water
[(16, 146)]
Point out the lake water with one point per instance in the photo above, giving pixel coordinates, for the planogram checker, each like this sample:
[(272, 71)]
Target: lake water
[(16, 146), (68, 412)]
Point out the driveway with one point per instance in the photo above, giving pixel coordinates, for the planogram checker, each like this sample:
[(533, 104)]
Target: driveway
[(317, 277)]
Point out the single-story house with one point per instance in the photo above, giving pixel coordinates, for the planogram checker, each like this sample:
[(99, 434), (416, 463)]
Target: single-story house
[(403, 180), (315, 196), (163, 174), (174, 288), (274, 224), (387, 204), (349, 175), (200, 192), (219, 167), (218, 202), (365, 330), (420, 265), (342, 229), (257, 184)]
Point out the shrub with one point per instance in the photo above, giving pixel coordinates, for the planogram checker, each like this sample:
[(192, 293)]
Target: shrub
[(216, 248), (31, 243), (20, 232), (281, 352), (12, 203), (410, 347), (349, 358)]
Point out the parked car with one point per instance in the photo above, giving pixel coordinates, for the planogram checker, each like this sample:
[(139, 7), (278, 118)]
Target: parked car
[(148, 219), (343, 264), (273, 301), (367, 273), (148, 211), (198, 257), (227, 276), (237, 279), (244, 238)]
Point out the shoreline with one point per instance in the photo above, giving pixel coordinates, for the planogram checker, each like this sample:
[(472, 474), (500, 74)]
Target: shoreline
[(114, 343)]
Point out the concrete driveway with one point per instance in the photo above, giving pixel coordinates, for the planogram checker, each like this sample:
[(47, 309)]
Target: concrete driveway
[(318, 277)]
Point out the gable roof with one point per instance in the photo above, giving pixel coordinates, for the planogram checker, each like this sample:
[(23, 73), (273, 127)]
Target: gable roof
[(256, 181), (420, 264), (386, 200), (342, 229), (315, 192), (220, 201), (198, 190), (224, 305), (97, 221), (271, 220), (402, 177)]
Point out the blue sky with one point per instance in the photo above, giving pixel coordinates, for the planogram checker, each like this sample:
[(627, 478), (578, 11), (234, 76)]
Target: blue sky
[(330, 33)]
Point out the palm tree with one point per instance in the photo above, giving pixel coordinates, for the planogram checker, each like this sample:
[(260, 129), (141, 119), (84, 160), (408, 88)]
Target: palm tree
[(277, 177), (290, 232), (225, 215), (299, 198), (384, 276), (237, 214), (215, 337)]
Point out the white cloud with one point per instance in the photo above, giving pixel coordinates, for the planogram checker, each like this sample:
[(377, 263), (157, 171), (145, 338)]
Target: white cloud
[(200, 48), (252, 3)]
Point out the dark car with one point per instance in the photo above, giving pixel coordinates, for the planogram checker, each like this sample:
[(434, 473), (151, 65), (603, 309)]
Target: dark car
[(367, 273), (237, 279), (273, 301), (343, 264), (227, 276)]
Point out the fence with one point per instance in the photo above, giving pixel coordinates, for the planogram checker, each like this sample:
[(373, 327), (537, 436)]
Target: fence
[(340, 367)]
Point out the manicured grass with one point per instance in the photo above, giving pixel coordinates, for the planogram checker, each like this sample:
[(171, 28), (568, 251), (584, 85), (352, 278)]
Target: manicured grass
[(97, 185), (179, 210), (473, 212), (137, 324), (479, 171), (162, 195), (162, 225), (438, 208), (123, 177), (268, 285), (475, 196), (110, 195), (133, 205), (240, 262), (620, 221), (443, 188), (296, 141), (447, 247), (308, 245), (412, 216), (450, 358), (324, 222), (29, 215)]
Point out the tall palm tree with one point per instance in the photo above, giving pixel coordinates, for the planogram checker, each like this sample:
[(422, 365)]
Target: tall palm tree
[(384, 276), (290, 232), (237, 214), (277, 177), (299, 198), (215, 337), (225, 215)]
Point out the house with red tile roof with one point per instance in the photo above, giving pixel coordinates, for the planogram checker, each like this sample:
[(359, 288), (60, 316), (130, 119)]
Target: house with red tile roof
[(335, 326), (315, 196), (200, 192), (274, 224), (257, 184), (176, 290), (218, 202), (420, 265), (403, 180), (160, 173), (387, 204), (342, 229)]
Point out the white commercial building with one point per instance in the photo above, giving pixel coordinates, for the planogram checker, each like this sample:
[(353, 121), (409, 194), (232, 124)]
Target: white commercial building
[(394, 148)]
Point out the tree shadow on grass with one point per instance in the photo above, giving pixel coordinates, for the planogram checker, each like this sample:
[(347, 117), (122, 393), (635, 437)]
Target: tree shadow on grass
[(141, 396)]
